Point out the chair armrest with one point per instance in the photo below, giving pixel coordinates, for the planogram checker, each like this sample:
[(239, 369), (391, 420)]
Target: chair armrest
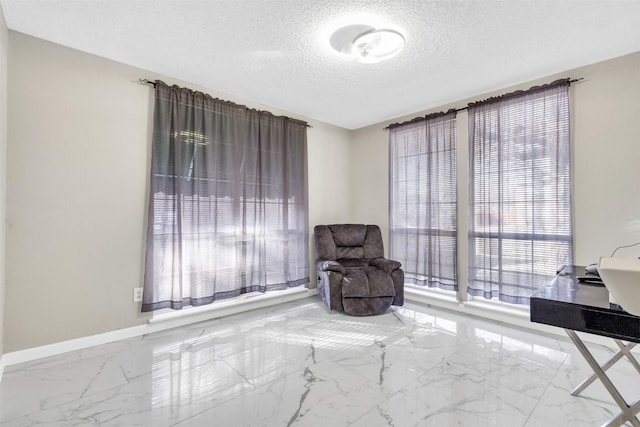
[(385, 264), (328, 265)]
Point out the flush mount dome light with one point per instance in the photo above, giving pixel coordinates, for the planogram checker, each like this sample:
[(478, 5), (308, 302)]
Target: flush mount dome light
[(367, 44)]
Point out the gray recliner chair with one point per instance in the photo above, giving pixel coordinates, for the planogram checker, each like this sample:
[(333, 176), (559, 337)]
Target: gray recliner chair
[(353, 274)]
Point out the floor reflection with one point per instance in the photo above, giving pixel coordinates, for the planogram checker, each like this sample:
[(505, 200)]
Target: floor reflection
[(300, 365)]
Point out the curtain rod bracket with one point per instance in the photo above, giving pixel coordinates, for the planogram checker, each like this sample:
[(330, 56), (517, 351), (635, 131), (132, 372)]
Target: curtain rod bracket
[(147, 82)]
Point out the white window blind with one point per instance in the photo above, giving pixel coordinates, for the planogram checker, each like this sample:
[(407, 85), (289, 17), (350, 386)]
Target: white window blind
[(423, 200), (520, 192)]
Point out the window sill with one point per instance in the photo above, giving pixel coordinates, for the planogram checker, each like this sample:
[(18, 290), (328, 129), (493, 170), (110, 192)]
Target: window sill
[(490, 310), (230, 306)]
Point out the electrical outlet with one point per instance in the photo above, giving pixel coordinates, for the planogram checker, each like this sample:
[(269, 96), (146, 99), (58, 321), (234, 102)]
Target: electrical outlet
[(137, 294)]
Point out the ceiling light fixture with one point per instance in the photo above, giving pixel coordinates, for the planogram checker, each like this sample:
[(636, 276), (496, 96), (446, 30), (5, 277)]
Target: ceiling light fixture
[(377, 45), (367, 44)]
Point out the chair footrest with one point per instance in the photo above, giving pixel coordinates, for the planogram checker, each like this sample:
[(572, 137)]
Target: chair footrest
[(366, 306)]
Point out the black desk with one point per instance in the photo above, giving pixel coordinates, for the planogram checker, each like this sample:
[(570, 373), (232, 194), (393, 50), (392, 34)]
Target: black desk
[(580, 307)]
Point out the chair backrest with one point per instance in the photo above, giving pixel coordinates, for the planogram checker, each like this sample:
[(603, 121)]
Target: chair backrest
[(339, 241)]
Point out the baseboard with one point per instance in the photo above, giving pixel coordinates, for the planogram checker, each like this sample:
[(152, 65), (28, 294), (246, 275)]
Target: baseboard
[(159, 323)]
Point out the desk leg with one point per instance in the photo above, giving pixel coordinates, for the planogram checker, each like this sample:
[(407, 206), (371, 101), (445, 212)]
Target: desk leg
[(628, 413), (625, 350), (619, 419)]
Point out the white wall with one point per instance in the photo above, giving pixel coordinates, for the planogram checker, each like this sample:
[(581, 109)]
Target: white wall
[(79, 153), (606, 137), (605, 114), (4, 36), (370, 177), (329, 187)]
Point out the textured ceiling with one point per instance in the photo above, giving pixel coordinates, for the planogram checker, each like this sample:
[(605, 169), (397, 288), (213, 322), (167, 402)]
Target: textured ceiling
[(277, 53)]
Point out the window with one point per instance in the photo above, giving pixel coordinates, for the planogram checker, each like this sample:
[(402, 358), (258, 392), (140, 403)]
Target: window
[(423, 200), (520, 192), (228, 211)]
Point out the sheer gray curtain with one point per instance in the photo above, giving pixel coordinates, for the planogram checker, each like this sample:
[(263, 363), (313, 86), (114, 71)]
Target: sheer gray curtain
[(423, 200), (228, 209), (520, 192)]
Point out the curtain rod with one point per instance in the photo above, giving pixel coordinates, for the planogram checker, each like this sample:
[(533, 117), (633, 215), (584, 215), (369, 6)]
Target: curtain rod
[(152, 83), (466, 108)]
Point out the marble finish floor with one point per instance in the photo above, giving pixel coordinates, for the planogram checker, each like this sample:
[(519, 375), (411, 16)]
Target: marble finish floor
[(299, 365)]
